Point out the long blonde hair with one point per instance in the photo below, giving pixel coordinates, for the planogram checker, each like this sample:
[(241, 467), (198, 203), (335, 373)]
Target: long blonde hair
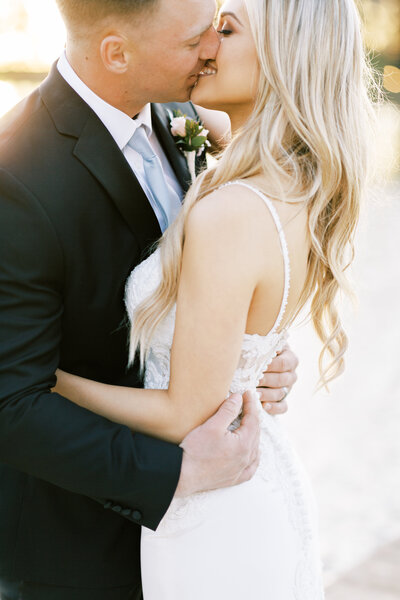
[(308, 135)]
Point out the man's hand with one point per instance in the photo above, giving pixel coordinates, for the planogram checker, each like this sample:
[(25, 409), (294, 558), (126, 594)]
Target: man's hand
[(215, 457), (278, 381)]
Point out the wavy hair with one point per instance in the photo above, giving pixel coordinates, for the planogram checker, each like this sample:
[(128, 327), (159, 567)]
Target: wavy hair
[(308, 135)]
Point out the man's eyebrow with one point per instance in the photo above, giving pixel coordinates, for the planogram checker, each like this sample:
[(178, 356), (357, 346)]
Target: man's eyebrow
[(230, 14), (200, 33)]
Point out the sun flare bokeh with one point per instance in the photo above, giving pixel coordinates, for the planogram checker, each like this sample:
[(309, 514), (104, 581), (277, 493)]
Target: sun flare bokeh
[(32, 35)]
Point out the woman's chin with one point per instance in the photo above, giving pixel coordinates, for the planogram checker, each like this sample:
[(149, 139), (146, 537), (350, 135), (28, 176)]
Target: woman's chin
[(203, 96)]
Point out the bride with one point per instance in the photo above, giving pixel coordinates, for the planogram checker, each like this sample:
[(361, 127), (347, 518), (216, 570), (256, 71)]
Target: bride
[(262, 232)]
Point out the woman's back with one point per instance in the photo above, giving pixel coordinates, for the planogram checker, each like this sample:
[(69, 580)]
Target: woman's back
[(250, 527), (284, 248)]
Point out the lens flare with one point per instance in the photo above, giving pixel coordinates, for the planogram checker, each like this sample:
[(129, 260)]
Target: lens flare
[(32, 35), (391, 79)]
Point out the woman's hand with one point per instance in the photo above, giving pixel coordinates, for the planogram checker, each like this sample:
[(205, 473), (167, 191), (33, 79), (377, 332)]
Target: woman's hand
[(218, 125), (62, 382), (58, 374), (277, 382)]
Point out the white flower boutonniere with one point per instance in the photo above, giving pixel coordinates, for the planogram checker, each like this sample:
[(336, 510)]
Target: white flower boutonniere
[(190, 137)]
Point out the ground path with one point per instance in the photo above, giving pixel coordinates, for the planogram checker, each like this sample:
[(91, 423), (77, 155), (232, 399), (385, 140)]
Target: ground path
[(376, 579), (350, 439)]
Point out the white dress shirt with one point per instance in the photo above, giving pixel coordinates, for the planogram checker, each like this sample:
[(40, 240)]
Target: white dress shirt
[(122, 127)]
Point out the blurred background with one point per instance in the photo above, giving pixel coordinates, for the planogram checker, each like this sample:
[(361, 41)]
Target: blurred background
[(349, 439)]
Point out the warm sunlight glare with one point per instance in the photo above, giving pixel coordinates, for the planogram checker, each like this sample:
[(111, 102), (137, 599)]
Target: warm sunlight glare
[(383, 22), (8, 96), (32, 35), (391, 79)]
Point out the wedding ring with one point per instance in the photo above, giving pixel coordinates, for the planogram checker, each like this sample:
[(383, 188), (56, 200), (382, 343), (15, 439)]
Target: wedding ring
[(286, 391)]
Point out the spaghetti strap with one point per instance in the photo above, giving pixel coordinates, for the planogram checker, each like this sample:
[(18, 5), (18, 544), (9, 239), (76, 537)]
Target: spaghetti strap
[(284, 246)]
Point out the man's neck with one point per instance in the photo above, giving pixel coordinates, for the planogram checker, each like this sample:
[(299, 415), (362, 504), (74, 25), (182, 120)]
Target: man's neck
[(105, 85)]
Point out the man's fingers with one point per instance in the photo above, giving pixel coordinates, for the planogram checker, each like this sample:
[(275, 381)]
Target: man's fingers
[(249, 404), (250, 424), (250, 409), (227, 412)]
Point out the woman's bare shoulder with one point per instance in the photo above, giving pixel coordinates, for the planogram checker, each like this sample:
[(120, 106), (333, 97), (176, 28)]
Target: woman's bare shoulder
[(231, 210)]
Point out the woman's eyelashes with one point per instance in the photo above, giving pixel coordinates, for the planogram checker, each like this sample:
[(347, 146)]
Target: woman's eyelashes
[(224, 32), (224, 29)]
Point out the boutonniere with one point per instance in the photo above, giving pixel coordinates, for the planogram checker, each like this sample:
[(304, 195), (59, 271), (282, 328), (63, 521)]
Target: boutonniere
[(190, 137)]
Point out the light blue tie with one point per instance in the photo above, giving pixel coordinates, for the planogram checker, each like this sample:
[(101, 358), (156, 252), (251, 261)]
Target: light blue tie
[(161, 201)]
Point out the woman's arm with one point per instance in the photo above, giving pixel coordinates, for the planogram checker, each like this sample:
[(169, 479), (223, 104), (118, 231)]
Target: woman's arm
[(220, 270)]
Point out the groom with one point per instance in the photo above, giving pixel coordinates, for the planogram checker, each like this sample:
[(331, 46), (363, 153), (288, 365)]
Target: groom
[(77, 213)]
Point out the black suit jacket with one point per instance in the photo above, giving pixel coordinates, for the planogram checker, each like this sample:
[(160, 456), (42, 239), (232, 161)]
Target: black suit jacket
[(74, 222)]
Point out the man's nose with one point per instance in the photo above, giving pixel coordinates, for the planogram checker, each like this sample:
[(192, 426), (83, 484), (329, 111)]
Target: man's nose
[(210, 45)]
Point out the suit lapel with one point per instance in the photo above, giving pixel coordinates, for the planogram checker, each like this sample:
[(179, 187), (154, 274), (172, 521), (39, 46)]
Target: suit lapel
[(97, 150), (176, 158)]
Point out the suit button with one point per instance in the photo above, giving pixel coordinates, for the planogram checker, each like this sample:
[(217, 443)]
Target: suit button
[(137, 515), (126, 512), (108, 504), (116, 508)]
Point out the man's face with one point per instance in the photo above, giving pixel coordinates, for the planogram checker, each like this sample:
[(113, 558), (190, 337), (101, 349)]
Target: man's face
[(171, 47)]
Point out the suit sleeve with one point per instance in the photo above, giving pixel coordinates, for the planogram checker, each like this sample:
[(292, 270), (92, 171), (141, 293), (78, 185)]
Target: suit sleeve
[(42, 433)]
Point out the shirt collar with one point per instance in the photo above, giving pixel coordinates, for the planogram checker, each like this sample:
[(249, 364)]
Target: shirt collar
[(119, 124)]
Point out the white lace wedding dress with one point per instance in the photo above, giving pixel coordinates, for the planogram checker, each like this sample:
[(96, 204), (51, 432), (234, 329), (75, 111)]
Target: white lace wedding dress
[(254, 541)]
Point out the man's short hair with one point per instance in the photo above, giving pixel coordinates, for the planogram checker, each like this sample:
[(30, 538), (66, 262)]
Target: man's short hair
[(79, 12)]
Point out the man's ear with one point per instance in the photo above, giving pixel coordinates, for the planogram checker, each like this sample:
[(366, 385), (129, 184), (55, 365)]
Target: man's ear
[(114, 53)]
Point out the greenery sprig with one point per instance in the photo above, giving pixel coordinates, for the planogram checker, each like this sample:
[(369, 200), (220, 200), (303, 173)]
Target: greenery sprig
[(190, 134)]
